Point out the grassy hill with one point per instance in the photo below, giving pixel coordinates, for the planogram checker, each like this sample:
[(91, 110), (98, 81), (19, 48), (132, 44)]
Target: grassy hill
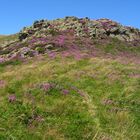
[(72, 94), (7, 38)]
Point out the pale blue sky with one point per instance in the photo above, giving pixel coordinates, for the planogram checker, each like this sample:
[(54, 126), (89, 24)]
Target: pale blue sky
[(15, 14)]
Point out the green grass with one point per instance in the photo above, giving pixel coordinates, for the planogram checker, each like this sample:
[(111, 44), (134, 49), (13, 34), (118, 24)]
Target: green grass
[(7, 38), (12, 62), (84, 113), (115, 47)]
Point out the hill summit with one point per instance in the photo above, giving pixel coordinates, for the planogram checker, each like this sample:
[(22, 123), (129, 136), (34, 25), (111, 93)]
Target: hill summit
[(83, 27), (45, 36)]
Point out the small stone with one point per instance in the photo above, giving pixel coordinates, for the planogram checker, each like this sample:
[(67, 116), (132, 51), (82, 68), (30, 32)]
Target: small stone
[(50, 47)]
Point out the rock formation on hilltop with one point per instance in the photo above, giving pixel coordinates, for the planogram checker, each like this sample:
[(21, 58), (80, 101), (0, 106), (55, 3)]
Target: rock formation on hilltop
[(83, 27), (66, 33)]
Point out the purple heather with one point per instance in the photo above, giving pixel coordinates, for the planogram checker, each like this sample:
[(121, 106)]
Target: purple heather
[(12, 98)]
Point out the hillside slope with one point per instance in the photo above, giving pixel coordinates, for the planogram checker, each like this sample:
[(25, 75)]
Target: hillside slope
[(56, 85)]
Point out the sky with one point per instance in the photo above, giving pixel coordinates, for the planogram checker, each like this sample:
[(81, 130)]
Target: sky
[(16, 14)]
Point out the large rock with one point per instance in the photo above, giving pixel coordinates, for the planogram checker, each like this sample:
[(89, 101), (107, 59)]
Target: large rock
[(22, 36)]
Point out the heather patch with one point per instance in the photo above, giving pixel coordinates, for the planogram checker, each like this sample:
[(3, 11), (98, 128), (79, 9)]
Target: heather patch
[(2, 83)]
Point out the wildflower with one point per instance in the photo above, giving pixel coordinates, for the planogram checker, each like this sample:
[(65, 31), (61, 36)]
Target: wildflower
[(66, 53), (65, 91), (52, 55), (78, 56), (2, 83), (61, 40), (2, 60), (12, 98), (46, 86), (32, 41)]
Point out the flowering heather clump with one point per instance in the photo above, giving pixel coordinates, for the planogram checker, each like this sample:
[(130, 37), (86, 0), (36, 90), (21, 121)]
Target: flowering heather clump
[(46, 86), (2, 60), (74, 50), (65, 91), (32, 41), (2, 83), (42, 39), (78, 56), (12, 98), (61, 40), (108, 25), (35, 120), (65, 54), (52, 55), (37, 41)]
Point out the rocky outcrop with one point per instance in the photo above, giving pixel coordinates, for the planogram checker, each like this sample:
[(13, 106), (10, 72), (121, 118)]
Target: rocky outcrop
[(100, 28), (66, 33)]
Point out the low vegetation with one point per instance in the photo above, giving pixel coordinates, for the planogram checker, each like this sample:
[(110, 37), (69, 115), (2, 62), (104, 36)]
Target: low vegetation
[(59, 98), (66, 87)]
